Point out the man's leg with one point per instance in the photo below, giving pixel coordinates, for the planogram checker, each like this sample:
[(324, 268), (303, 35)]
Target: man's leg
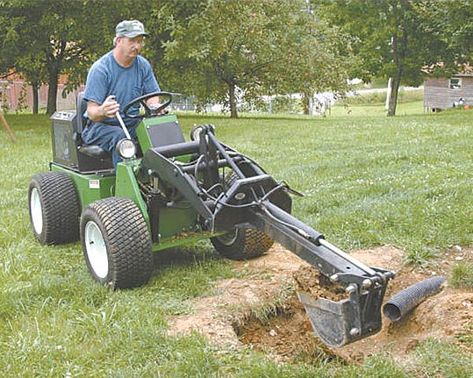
[(107, 137)]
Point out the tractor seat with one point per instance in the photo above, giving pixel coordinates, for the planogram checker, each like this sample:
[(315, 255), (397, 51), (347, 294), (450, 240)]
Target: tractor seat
[(94, 151), (81, 123)]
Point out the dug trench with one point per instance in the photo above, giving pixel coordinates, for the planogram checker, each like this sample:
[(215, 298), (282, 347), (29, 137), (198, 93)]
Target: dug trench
[(261, 311)]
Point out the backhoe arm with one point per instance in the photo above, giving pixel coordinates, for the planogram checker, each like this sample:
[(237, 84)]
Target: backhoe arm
[(252, 198), (336, 323)]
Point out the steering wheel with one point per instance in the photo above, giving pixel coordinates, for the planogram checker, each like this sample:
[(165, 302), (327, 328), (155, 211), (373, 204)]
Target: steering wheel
[(149, 112)]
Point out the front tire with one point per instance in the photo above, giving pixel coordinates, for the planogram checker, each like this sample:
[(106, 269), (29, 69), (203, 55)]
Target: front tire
[(242, 244), (54, 208), (116, 243)]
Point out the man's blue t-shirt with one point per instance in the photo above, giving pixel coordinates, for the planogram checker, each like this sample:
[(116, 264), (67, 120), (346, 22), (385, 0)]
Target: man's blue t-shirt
[(106, 77)]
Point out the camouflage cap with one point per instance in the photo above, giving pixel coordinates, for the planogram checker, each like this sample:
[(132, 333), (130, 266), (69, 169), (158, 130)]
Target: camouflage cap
[(130, 29)]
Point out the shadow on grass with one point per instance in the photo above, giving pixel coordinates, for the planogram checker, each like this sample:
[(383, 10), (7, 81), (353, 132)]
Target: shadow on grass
[(183, 257)]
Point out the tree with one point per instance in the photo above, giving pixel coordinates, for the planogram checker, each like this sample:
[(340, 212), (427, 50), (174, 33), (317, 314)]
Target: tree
[(34, 73), (256, 46), (392, 38), (320, 61), (17, 58), (24, 57), (36, 52), (162, 18), (40, 43), (452, 22)]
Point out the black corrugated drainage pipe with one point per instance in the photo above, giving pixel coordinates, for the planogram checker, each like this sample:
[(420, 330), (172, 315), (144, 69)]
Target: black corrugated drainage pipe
[(404, 301)]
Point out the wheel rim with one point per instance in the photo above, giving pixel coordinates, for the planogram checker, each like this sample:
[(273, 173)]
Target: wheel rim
[(36, 211), (96, 249), (228, 238)]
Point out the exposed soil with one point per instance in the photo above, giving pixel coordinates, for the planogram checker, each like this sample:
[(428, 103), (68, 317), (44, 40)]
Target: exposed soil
[(442, 316), (262, 311)]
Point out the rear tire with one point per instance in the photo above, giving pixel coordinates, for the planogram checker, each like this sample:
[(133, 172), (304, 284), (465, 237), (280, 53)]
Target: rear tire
[(116, 243), (242, 244), (54, 208)]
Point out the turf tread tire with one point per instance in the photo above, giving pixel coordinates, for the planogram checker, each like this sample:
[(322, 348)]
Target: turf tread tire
[(248, 244), (130, 260), (60, 207)]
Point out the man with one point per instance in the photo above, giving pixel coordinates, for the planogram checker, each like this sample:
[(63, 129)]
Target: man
[(115, 79)]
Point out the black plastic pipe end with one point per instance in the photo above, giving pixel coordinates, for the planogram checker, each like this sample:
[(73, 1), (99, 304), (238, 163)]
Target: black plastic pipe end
[(403, 302)]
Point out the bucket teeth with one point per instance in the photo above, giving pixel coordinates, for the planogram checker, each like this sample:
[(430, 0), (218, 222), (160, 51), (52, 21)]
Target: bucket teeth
[(343, 322)]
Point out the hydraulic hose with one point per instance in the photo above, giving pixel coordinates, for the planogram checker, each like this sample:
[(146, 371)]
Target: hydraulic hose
[(401, 303)]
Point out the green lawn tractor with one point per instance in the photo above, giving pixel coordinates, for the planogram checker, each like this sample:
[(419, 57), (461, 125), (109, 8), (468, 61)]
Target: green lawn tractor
[(168, 192)]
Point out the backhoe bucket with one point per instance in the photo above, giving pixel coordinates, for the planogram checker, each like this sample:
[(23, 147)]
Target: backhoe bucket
[(346, 321)]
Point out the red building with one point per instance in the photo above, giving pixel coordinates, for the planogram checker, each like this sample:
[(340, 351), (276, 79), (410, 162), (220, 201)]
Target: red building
[(13, 88)]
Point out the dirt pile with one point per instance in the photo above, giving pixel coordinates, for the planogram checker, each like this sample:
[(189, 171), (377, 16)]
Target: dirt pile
[(261, 311)]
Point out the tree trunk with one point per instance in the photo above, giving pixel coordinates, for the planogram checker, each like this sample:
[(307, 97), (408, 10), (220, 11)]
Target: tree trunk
[(306, 104), (399, 47), (394, 94), (35, 89), (233, 104), (52, 90)]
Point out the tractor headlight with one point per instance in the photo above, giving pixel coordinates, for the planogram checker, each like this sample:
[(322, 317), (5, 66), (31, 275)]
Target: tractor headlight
[(126, 148)]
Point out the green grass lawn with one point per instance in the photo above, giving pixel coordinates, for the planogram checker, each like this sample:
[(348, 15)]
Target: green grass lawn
[(368, 180)]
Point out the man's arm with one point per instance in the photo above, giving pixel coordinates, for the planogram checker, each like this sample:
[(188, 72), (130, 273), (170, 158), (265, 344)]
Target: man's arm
[(108, 109)]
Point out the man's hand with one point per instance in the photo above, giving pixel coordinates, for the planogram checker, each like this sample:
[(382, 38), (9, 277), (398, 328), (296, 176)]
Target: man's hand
[(108, 109), (154, 104)]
